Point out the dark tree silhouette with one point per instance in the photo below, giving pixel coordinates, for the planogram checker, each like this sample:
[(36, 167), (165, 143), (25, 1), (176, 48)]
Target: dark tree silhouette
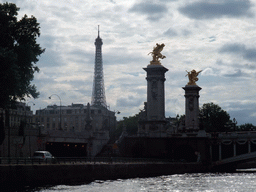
[(213, 118), (131, 125), (246, 127), (18, 55)]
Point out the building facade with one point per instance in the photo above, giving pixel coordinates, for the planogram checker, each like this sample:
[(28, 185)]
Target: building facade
[(75, 130), (73, 118), (21, 132)]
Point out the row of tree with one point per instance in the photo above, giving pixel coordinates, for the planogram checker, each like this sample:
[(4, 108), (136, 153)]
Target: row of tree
[(212, 118)]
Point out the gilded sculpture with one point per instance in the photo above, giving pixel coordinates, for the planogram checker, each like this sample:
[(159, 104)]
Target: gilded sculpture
[(156, 54), (192, 77)]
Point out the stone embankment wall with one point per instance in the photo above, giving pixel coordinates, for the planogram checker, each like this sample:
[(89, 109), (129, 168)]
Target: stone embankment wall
[(40, 175)]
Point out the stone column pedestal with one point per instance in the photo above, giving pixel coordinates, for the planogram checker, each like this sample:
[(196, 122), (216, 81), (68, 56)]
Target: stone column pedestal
[(155, 92), (192, 107), (153, 121)]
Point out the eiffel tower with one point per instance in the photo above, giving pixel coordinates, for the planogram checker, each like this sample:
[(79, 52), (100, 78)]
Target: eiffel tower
[(98, 92)]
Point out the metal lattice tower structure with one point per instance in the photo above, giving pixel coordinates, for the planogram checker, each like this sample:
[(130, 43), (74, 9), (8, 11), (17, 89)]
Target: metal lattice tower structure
[(98, 91)]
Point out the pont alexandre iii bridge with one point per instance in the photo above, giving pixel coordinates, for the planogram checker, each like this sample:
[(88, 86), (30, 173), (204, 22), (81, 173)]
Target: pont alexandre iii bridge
[(232, 148), (220, 151)]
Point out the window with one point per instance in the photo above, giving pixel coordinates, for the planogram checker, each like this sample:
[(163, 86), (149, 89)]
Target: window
[(69, 111)]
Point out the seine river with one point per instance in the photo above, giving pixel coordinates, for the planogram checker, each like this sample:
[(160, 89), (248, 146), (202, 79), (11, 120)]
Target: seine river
[(180, 182)]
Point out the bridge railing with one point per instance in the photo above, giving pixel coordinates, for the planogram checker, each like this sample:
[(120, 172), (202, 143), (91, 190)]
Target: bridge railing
[(78, 160), (25, 160)]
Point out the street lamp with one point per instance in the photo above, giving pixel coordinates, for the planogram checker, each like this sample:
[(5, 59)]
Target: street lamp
[(60, 106)]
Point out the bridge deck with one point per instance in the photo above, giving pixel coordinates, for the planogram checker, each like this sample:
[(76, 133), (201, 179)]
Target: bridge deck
[(237, 159)]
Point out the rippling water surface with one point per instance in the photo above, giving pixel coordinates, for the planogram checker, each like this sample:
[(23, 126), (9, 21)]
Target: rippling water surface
[(184, 182)]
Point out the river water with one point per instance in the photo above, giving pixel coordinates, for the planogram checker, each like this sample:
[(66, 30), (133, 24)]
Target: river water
[(180, 182)]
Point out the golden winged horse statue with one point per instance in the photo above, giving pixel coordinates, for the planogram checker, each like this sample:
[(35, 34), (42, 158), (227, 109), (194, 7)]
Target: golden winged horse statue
[(156, 53), (192, 77)]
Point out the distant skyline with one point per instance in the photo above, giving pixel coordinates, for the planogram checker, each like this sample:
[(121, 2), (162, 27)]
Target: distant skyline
[(218, 37)]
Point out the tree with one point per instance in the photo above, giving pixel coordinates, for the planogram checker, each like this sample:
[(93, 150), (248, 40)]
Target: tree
[(131, 125), (246, 127), (18, 55), (213, 118)]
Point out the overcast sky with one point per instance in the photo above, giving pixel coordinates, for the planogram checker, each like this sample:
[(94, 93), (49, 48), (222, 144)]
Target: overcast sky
[(218, 37)]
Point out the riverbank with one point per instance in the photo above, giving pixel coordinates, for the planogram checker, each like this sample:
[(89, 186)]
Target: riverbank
[(18, 176)]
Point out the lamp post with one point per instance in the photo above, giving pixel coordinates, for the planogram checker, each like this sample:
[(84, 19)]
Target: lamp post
[(60, 106)]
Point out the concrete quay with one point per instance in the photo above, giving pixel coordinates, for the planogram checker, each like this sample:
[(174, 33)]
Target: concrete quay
[(16, 177)]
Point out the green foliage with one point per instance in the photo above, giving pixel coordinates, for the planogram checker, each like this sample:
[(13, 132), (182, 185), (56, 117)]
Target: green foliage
[(131, 124), (246, 127), (213, 118), (18, 55)]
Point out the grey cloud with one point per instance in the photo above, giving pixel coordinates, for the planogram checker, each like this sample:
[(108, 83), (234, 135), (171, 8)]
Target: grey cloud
[(232, 48), (173, 33), (186, 32), (243, 116), (65, 13), (242, 111), (135, 74), (212, 10), (42, 82), (167, 1), (81, 57), (23, 5), (170, 114), (170, 33), (212, 38), (111, 1), (248, 66), (250, 54), (87, 93), (153, 11), (237, 73), (117, 58), (80, 38), (235, 48), (238, 65), (50, 58), (130, 101), (46, 41)]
